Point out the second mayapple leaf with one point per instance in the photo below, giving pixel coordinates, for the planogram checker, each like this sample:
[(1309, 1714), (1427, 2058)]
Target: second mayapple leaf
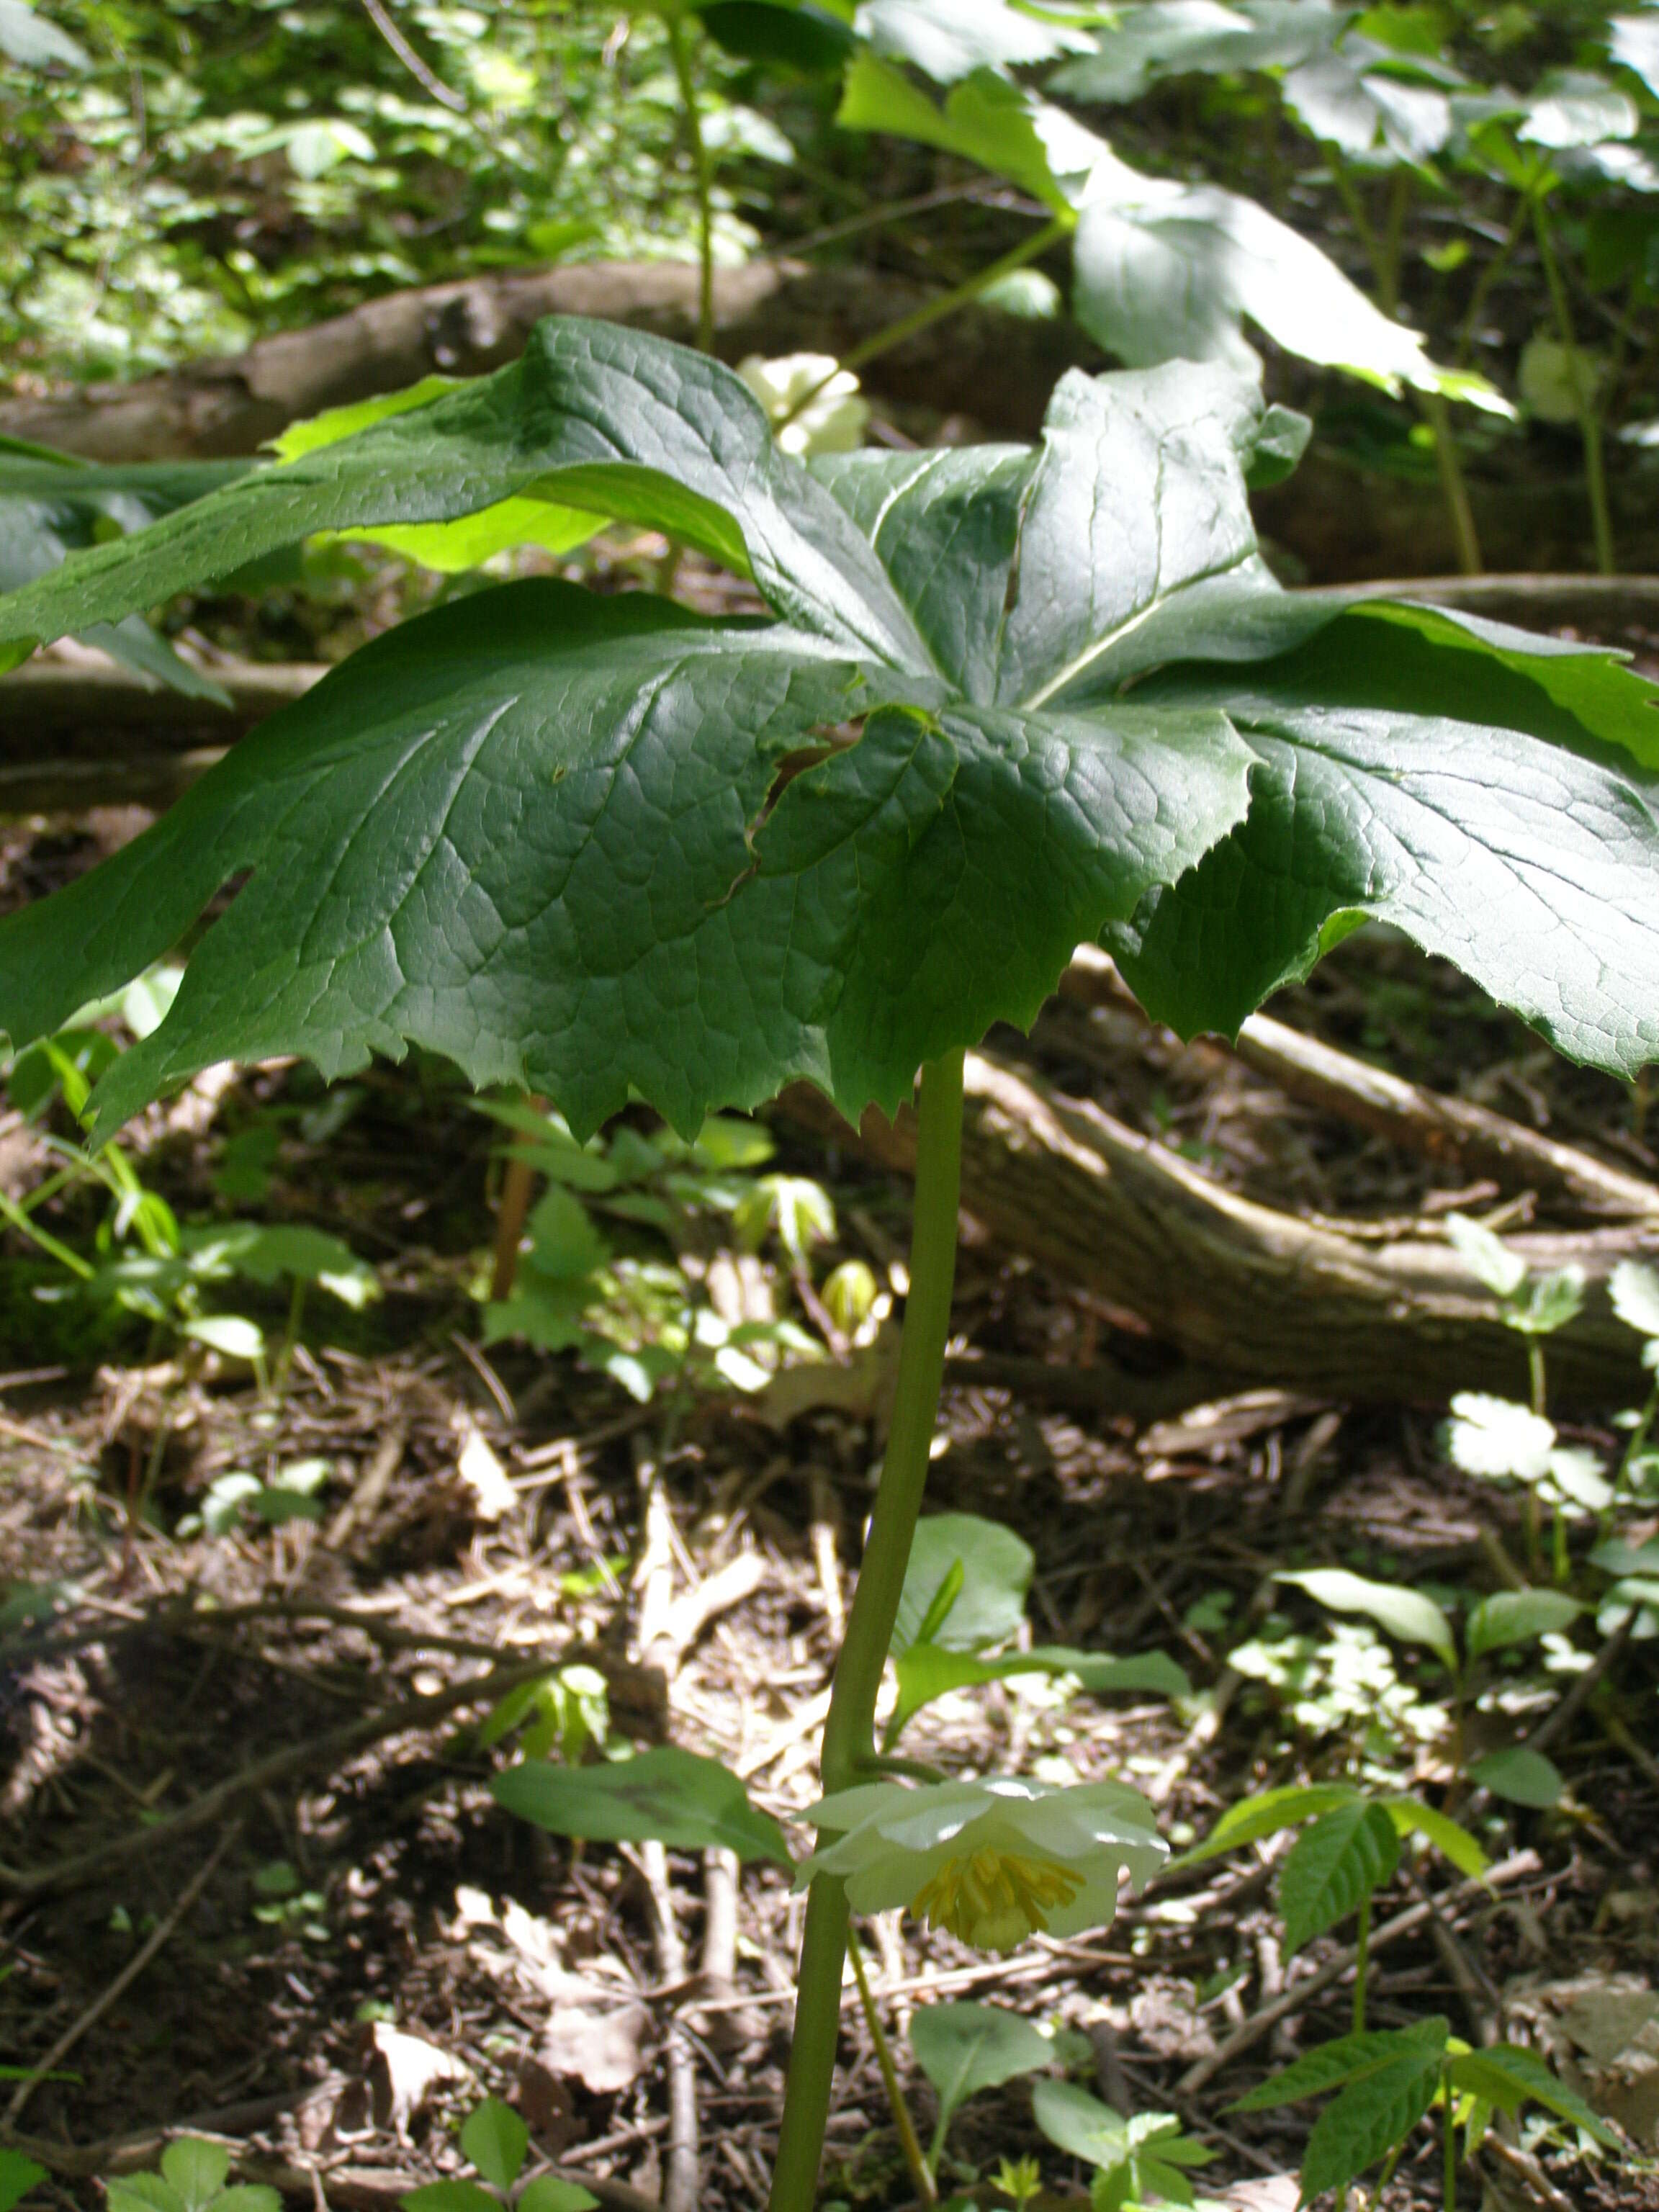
[(1028, 695)]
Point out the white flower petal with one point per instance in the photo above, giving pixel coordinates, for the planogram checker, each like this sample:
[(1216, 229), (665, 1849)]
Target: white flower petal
[(1095, 1905), (897, 1838), (845, 1808)]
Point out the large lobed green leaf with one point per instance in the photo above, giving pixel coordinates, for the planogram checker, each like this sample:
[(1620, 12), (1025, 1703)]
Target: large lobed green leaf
[(1013, 699)]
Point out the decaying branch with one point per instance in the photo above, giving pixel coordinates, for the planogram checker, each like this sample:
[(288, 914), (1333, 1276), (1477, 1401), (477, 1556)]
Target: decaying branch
[(1406, 1114), (999, 368), (80, 731), (1237, 1287)]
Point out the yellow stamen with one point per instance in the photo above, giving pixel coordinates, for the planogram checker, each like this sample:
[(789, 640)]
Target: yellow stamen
[(994, 1900)]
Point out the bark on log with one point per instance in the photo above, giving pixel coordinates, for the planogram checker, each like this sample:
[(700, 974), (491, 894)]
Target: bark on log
[(998, 367), (1406, 1114), (1237, 1287), (78, 731)]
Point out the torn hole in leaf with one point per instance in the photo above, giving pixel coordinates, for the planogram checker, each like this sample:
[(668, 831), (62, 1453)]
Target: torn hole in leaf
[(825, 742)]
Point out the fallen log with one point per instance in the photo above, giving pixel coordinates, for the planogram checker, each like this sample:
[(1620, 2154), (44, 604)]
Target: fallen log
[(1237, 1288), (80, 731), (998, 367), (1406, 1114)]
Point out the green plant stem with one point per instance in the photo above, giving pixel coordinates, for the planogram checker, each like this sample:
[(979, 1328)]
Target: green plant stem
[(1454, 486), (15, 1214), (1362, 1953), (1449, 2128), (915, 1769), (296, 1307), (1536, 1376), (679, 46), (936, 310), (1348, 192), (1484, 283), (1590, 422), (849, 1729), (1386, 2175), (921, 2169), (1636, 1441), (1383, 254), (1400, 202)]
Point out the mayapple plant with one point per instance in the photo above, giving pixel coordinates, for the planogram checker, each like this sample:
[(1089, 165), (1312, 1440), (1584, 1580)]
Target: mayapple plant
[(1006, 699)]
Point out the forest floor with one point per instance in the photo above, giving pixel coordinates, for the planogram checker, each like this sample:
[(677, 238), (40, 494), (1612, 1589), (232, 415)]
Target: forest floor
[(254, 1882)]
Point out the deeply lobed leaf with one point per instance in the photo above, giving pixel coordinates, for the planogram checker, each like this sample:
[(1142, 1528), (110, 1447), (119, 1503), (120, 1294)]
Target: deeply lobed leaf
[(1013, 699)]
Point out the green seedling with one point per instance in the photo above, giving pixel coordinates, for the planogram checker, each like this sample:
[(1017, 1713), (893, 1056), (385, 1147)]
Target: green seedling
[(194, 2178), (496, 2143), (1349, 1847), (1386, 2079), (1495, 1623), (1140, 2161), (964, 1594)]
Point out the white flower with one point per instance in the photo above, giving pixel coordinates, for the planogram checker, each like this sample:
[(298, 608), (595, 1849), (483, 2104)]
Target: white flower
[(990, 1860), (830, 423)]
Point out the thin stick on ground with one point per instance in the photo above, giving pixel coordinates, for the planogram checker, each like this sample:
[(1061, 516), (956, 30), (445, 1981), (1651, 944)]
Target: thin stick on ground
[(129, 1974), (680, 2190)]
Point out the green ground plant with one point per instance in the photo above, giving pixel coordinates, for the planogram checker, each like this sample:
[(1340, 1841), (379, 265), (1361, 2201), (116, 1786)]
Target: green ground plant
[(1006, 699), (495, 2143)]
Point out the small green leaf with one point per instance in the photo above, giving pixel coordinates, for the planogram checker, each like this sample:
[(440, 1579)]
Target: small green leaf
[(1508, 2076), (142, 2192), (1252, 1817), (1486, 1255), (1405, 1613), (1333, 1868), (227, 1333), (1516, 1616), (496, 2139), (1076, 2123), (947, 40), (938, 1610), (985, 120), (1410, 1815), (1633, 1287), (1523, 1777), (195, 2169), (1622, 1558), (667, 1795), (925, 1671), (18, 2175), (547, 2193), (1550, 1302), (266, 1253), (449, 2196), (1348, 2058), (996, 1573), (1574, 1478), (965, 2048), (1373, 2113), (1498, 1438)]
